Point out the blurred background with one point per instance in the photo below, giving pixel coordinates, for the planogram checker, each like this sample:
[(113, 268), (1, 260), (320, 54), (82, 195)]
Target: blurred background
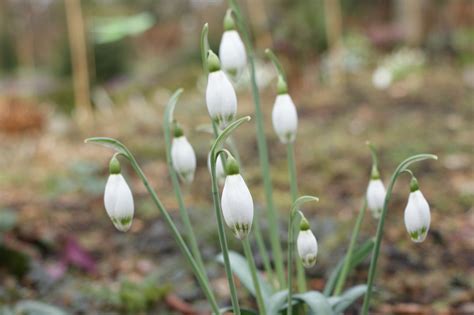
[(397, 72)]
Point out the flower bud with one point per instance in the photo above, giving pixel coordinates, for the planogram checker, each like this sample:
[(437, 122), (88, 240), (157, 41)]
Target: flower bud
[(220, 94), (417, 214), (285, 118), (375, 194), (232, 49), (183, 156), (220, 172), (118, 199), (237, 202), (307, 244)]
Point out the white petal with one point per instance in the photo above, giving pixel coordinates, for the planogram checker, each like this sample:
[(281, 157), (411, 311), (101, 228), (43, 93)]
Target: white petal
[(220, 98), (237, 205), (183, 158), (382, 78), (118, 201), (232, 52), (417, 216), (376, 197), (285, 118), (307, 248)]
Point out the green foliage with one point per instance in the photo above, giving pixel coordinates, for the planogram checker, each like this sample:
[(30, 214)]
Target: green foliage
[(31, 307)]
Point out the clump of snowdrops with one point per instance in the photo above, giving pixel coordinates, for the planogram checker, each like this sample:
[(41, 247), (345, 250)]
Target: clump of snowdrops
[(276, 289)]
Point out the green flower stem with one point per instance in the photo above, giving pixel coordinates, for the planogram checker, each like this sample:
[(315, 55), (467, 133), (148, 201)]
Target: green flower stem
[(217, 207), (190, 236), (300, 274), (108, 142), (262, 249), (378, 240), (347, 261), (253, 273), (291, 244), (262, 148)]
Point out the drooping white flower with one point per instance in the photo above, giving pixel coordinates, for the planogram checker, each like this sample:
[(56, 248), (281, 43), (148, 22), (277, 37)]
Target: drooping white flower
[(232, 50), (382, 78), (220, 172), (236, 201), (221, 99), (307, 244), (285, 118), (118, 199), (417, 214), (375, 197), (183, 157)]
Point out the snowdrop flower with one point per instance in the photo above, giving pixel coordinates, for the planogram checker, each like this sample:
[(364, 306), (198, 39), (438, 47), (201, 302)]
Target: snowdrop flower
[(284, 116), (232, 49), (220, 95), (118, 199), (417, 214), (382, 78), (220, 172), (182, 155), (237, 202), (307, 244), (375, 194)]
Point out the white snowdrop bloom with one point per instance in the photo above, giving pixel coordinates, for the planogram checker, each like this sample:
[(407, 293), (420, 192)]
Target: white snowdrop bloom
[(232, 53), (382, 78), (376, 197), (221, 99), (236, 201), (220, 172), (307, 245), (183, 158), (417, 214), (285, 118), (118, 199)]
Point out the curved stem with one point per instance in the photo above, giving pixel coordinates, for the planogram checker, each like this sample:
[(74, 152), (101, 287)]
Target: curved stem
[(347, 261), (378, 240), (262, 148), (276, 63), (253, 273)]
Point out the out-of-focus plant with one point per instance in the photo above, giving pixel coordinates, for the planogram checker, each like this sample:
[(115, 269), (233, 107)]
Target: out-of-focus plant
[(397, 66), (274, 292)]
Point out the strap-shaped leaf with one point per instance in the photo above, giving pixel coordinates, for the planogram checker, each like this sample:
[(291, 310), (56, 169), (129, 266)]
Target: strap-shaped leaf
[(241, 269), (358, 256), (347, 298), (30, 307), (316, 301)]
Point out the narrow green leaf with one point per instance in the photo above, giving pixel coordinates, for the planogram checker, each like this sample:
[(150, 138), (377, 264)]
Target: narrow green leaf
[(111, 144), (358, 256), (317, 302), (240, 268), (347, 298)]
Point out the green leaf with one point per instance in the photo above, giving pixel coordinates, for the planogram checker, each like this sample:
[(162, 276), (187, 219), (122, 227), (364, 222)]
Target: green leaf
[(358, 256), (111, 144), (347, 298), (243, 311), (241, 269), (30, 307), (110, 29), (317, 302), (276, 302), (8, 220)]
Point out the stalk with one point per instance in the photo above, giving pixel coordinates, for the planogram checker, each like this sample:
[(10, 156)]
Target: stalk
[(253, 273), (190, 236), (347, 261), (177, 235), (378, 240), (217, 207), (300, 274), (262, 148)]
